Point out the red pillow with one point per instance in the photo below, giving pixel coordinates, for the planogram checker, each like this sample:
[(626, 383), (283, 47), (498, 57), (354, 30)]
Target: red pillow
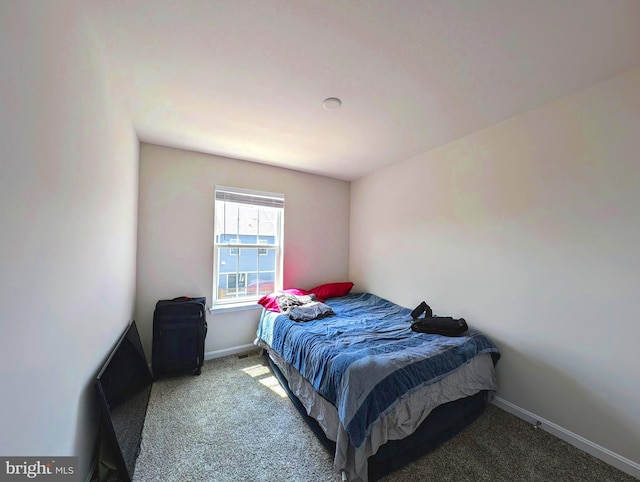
[(270, 301), (331, 290)]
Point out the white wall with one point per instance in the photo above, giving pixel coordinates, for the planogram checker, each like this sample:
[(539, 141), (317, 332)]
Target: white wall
[(531, 231), (175, 234), (68, 204)]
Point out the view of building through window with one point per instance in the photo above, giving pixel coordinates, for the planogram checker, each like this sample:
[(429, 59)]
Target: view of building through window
[(247, 246)]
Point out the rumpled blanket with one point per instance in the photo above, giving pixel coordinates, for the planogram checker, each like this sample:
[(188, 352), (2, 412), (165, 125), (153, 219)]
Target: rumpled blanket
[(302, 307), (310, 311), (286, 301)]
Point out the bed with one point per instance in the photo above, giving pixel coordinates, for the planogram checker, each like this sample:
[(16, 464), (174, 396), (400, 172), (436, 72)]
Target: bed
[(378, 394)]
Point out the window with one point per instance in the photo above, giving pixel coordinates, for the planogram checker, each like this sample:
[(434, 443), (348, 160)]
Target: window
[(234, 251), (237, 282), (248, 244), (263, 251)]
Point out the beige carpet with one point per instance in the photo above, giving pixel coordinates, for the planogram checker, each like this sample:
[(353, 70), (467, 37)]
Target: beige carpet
[(234, 423)]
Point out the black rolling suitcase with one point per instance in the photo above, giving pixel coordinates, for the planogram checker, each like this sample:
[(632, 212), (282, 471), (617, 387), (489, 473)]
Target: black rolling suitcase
[(179, 330)]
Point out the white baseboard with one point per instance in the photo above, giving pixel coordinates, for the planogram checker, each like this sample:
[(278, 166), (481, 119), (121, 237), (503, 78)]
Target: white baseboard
[(210, 355), (625, 465)]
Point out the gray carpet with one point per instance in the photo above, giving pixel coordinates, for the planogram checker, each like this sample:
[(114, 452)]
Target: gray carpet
[(231, 424)]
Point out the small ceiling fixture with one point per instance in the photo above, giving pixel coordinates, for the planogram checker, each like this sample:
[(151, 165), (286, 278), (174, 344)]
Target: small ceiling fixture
[(331, 103)]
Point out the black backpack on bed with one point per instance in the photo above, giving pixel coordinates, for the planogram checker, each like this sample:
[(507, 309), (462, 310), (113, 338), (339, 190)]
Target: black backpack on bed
[(440, 325), (436, 325)]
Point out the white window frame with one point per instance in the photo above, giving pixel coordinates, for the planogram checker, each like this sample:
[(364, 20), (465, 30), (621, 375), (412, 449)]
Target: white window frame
[(250, 198)]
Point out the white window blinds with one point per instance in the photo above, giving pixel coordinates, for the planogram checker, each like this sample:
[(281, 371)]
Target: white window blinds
[(245, 196)]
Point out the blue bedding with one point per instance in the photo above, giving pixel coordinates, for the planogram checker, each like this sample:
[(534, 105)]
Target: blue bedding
[(365, 358)]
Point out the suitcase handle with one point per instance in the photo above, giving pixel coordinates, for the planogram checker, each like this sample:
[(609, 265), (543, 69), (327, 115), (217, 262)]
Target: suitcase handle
[(187, 298)]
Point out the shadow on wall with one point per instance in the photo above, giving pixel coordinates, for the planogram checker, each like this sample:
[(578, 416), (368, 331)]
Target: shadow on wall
[(566, 401)]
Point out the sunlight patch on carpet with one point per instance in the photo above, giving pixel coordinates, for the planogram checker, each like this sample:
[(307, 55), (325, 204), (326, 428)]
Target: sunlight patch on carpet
[(268, 380), (257, 370), (272, 383)]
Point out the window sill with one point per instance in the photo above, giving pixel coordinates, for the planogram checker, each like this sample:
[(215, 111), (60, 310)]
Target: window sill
[(228, 308)]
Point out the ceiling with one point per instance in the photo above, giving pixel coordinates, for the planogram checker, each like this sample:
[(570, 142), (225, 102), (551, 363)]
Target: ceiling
[(246, 78)]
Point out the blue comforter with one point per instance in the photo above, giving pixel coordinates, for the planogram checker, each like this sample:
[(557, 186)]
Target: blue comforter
[(366, 357)]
